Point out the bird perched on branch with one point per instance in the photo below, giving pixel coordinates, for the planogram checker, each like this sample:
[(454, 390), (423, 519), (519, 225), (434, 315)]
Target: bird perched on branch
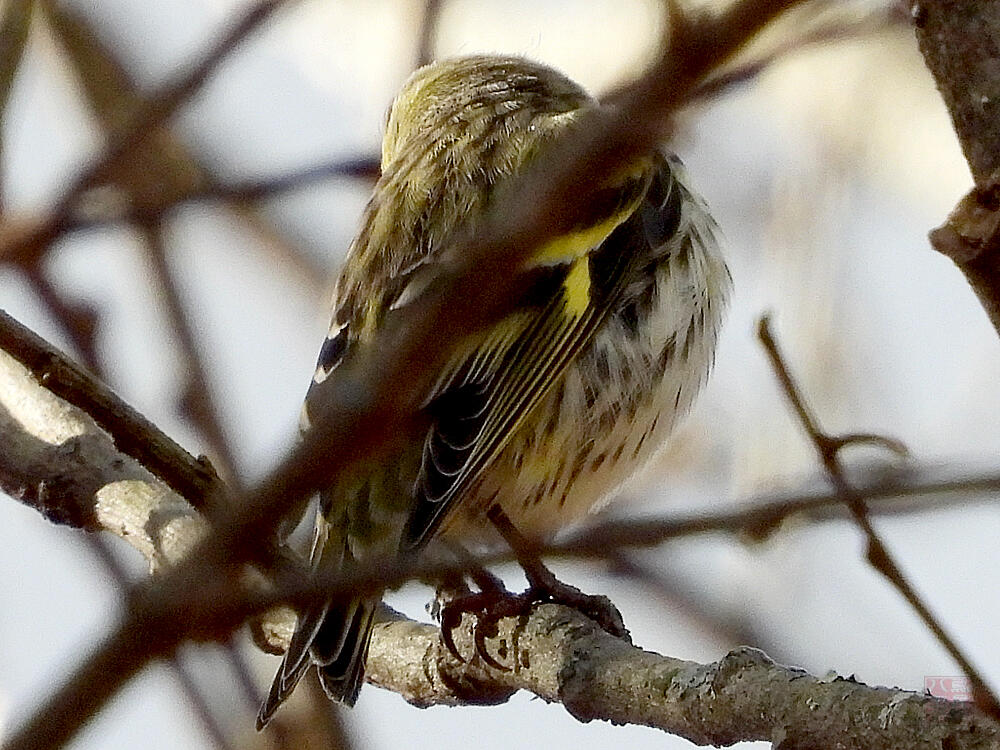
[(544, 414)]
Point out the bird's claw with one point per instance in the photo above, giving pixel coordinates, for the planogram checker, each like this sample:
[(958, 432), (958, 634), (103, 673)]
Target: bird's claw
[(494, 603)]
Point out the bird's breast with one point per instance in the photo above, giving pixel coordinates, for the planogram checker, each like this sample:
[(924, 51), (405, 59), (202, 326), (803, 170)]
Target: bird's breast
[(616, 403)]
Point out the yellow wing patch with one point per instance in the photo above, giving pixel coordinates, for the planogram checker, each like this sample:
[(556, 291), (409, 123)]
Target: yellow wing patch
[(577, 244), (577, 287)]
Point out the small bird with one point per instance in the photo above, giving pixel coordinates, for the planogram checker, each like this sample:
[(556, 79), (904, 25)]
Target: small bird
[(544, 414)]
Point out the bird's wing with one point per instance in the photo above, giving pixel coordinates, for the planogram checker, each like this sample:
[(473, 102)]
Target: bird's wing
[(493, 384)]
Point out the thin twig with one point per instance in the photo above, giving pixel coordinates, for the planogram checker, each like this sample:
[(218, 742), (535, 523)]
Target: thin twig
[(196, 401), (284, 250), (199, 704), (155, 110), (233, 194), (15, 21), (220, 609), (78, 321), (429, 21), (98, 546), (828, 448), (326, 718), (728, 629), (831, 33), (160, 173)]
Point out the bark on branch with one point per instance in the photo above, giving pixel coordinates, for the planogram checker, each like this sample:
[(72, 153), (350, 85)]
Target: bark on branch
[(563, 657), (58, 459), (960, 42), (39, 373)]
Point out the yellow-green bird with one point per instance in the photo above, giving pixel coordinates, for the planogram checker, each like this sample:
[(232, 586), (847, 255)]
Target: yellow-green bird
[(550, 410)]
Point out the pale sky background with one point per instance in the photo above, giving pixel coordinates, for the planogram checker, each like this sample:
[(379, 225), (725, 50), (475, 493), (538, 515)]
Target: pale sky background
[(825, 176)]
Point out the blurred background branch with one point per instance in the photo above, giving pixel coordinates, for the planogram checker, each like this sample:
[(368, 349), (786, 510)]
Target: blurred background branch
[(151, 180)]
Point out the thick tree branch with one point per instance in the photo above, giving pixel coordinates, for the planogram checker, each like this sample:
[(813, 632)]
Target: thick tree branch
[(57, 459), (561, 656), (960, 41), (133, 435)]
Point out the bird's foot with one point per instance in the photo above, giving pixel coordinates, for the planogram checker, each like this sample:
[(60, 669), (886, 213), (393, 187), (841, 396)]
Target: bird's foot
[(488, 606), (543, 587), (493, 602)]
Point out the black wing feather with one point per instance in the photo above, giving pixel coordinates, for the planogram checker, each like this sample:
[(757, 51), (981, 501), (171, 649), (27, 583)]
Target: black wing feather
[(479, 409)]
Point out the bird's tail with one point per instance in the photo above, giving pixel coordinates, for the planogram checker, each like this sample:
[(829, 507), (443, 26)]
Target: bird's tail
[(333, 636), (341, 647)]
